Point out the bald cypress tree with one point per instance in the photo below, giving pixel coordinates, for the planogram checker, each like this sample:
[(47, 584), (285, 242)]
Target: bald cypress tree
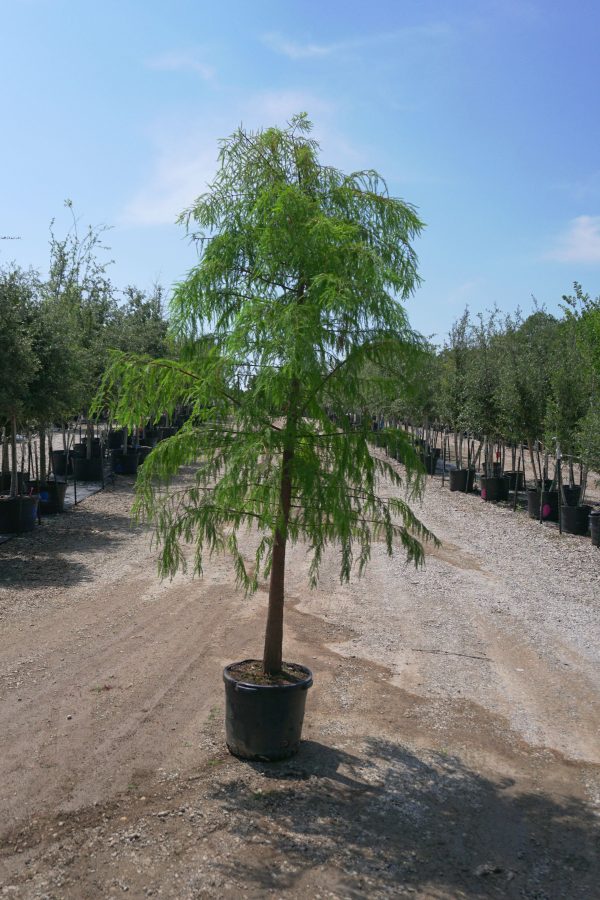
[(299, 281)]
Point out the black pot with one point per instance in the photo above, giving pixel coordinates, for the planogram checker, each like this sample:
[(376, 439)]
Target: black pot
[(264, 721), (60, 466), (87, 469), (516, 480), (151, 437), (595, 527), (494, 488), (576, 519), (18, 514), (52, 497), (22, 482), (115, 440), (125, 463), (462, 480), (143, 452), (80, 449), (549, 505), (571, 495)]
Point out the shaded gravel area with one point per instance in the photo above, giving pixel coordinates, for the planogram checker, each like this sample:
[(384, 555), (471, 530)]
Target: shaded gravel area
[(451, 740)]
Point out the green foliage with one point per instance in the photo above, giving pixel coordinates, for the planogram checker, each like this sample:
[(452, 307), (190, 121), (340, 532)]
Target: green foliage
[(481, 379), (139, 324), (453, 367), (294, 296), (527, 349), (18, 363)]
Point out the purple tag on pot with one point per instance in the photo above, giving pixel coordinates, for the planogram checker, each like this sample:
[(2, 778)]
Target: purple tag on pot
[(484, 494), (546, 510)]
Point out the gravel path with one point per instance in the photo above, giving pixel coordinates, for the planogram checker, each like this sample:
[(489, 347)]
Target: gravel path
[(451, 742)]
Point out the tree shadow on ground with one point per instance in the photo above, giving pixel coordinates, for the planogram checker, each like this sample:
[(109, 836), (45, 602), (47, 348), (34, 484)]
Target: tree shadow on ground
[(390, 821), (55, 553)]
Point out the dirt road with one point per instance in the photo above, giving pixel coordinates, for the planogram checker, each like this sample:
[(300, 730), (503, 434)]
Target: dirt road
[(452, 736)]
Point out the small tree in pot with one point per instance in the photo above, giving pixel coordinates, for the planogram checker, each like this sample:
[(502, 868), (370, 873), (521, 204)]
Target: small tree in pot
[(296, 288)]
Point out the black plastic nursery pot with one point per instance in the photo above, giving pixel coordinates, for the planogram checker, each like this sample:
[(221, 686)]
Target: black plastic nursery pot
[(516, 480), (494, 488), (52, 497), (576, 519), (60, 465), (87, 469), (80, 449), (571, 495), (549, 501), (595, 527), (264, 721), (115, 440), (143, 452), (125, 463), (22, 482), (18, 514), (462, 480)]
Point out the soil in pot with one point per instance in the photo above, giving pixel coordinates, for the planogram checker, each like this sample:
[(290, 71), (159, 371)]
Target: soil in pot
[(549, 505), (595, 527), (264, 720), (575, 519), (18, 514), (494, 488), (52, 497)]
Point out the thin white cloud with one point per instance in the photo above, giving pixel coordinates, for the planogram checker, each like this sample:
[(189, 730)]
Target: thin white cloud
[(182, 62), (184, 167), (580, 242), (178, 178), (582, 188), (294, 50)]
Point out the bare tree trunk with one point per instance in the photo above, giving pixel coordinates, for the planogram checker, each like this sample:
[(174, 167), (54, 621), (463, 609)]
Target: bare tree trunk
[(274, 633), (5, 451), (43, 458), (89, 440), (15, 468)]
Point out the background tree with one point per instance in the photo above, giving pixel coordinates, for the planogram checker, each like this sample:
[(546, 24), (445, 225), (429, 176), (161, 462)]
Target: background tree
[(527, 349), (453, 364), (18, 363), (297, 287)]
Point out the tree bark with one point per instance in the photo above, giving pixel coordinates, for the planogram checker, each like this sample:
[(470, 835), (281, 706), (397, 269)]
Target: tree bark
[(13, 440), (273, 651), (43, 458)]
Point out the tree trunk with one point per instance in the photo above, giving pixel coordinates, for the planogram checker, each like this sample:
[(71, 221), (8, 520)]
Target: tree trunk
[(43, 458), (274, 633), (124, 444), (89, 440), (15, 468), (5, 451)]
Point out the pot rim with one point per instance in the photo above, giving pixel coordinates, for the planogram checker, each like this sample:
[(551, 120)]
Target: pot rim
[(250, 685)]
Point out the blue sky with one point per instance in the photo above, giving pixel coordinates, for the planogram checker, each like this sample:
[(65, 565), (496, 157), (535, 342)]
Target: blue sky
[(485, 115)]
